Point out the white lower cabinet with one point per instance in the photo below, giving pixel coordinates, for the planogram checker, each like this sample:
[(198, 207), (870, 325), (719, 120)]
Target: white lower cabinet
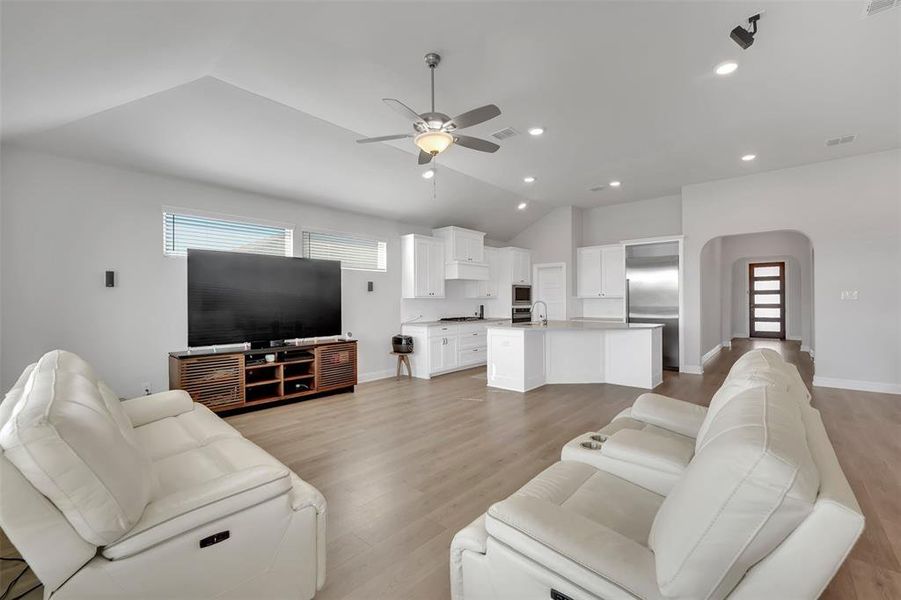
[(440, 348)]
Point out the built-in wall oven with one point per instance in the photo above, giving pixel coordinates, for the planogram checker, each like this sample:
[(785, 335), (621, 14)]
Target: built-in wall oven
[(522, 314), (522, 295)]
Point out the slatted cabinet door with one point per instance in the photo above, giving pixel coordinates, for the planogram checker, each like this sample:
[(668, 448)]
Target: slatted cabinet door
[(215, 381), (336, 366)]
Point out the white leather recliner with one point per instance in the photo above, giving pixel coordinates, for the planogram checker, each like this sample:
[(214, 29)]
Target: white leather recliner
[(148, 498), (652, 442), (761, 496)]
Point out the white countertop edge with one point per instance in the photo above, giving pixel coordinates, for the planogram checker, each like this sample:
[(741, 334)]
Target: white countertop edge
[(575, 326)]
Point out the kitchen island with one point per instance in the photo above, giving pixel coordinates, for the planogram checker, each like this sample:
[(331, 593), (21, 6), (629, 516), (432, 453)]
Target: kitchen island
[(525, 356)]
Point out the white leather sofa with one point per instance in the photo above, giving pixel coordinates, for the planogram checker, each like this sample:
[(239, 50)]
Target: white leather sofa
[(760, 510), (154, 497), (652, 442)]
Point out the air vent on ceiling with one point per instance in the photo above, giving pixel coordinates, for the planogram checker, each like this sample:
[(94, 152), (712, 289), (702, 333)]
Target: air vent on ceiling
[(506, 132), (878, 6), (597, 188), (845, 139)]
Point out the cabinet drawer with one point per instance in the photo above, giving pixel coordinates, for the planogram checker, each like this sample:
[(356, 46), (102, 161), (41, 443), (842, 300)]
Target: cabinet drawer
[(474, 340), (473, 356), (443, 330), (469, 328)]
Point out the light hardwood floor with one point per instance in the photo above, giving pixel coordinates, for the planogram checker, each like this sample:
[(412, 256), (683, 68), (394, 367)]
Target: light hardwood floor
[(405, 464)]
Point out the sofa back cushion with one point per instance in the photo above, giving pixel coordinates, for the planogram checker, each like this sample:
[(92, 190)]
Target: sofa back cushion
[(750, 485), (64, 439), (765, 360)]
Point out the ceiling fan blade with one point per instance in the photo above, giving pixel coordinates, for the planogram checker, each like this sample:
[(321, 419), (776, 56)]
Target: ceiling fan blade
[(424, 158), (403, 109), (474, 143), (474, 116), (384, 138)]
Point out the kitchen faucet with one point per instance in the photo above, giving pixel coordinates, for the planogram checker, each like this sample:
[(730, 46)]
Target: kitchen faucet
[(536, 303)]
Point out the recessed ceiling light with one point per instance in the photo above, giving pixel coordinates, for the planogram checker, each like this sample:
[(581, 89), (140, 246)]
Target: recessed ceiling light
[(615, 183), (726, 68), (536, 131), (748, 157), (522, 206), (428, 173), (528, 179)]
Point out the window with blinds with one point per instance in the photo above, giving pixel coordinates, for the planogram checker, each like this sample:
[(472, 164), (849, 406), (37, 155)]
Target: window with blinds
[(181, 232), (358, 253)]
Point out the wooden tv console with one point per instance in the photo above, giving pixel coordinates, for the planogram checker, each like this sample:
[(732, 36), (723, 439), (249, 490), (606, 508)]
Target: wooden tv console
[(232, 379)]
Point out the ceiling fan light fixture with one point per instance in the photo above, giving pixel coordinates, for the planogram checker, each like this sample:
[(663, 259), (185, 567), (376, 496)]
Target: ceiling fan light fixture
[(434, 142)]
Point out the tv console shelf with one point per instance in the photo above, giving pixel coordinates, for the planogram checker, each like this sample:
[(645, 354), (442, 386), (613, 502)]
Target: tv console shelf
[(232, 379)]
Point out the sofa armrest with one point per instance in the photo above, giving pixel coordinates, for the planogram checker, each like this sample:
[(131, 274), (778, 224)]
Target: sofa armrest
[(147, 409), (645, 448), (193, 507), (600, 560), (668, 413)]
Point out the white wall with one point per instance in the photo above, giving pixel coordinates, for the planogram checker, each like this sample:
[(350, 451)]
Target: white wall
[(632, 220), (552, 240), (711, 295), (454, 304), (849, 209), (65, 222)]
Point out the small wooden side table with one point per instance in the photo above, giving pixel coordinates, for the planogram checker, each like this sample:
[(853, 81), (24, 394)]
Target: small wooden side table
[(403, 358)]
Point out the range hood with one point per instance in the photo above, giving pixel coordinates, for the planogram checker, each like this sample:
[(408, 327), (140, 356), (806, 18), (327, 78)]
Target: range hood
[(471, 271)]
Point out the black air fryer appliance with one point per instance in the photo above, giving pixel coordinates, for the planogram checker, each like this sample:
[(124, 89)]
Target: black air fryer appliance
[(402, 344)]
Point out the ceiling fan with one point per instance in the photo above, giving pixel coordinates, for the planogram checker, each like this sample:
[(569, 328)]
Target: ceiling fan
[(435, 132)]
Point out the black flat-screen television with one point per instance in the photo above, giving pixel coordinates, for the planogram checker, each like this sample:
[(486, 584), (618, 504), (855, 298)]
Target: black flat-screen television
[(236, 297)]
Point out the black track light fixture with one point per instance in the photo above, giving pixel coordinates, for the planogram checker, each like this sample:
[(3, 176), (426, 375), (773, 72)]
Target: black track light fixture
[(745, 37)]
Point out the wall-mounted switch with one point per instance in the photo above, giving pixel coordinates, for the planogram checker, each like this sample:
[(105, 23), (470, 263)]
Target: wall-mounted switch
[(849, 294), (369, 286), (110, 278)]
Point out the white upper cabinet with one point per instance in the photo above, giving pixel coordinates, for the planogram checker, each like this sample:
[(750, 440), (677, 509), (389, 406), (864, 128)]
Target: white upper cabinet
[(613, 271), (487, 288), (601, 272), (423, 267), (463, 245), (464, 251), (521, 265)]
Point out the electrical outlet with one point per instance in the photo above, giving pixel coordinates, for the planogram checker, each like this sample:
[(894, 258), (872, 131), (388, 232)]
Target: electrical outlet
[(850, 294), (147, 387)]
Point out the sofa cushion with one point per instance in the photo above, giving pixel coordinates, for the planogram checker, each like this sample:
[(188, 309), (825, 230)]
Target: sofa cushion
[(766, 360), (63, 437), (733, 387), (751, 483), (584, 524)]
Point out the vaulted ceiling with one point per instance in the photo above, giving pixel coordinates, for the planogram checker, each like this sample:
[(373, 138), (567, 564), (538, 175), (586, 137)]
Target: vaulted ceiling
[(269, 97)]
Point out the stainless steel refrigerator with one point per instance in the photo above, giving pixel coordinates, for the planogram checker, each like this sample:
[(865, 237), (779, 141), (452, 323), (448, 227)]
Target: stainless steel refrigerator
[(652, 284)]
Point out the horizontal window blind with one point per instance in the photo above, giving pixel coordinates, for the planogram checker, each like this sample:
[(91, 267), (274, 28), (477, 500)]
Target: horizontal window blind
[(181, 232), (353, 252)]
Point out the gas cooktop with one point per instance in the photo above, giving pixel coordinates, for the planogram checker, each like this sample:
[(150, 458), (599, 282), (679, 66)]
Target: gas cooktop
[(461, 319)]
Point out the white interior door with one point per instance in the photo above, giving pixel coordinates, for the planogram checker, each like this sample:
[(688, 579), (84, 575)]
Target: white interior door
[(549, 285)]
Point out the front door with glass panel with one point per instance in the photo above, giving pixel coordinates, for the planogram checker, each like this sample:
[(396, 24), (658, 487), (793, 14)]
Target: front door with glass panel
[(766, 299)]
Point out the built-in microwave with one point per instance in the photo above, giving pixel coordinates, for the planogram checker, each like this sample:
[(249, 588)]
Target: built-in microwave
[(522, 314), (522, 295)]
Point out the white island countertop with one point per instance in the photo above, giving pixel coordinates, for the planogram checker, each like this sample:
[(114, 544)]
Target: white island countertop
[(574, 325), (524, 356)]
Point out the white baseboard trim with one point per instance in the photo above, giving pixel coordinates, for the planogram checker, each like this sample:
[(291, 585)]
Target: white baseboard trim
[(793, 338), (692, 369), (376, 375), (727, 344), (857, 385), (711, 353), (807, 349)]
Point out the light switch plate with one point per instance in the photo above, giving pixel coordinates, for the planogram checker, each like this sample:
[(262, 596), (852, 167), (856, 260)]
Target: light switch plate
[(849, 294)]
